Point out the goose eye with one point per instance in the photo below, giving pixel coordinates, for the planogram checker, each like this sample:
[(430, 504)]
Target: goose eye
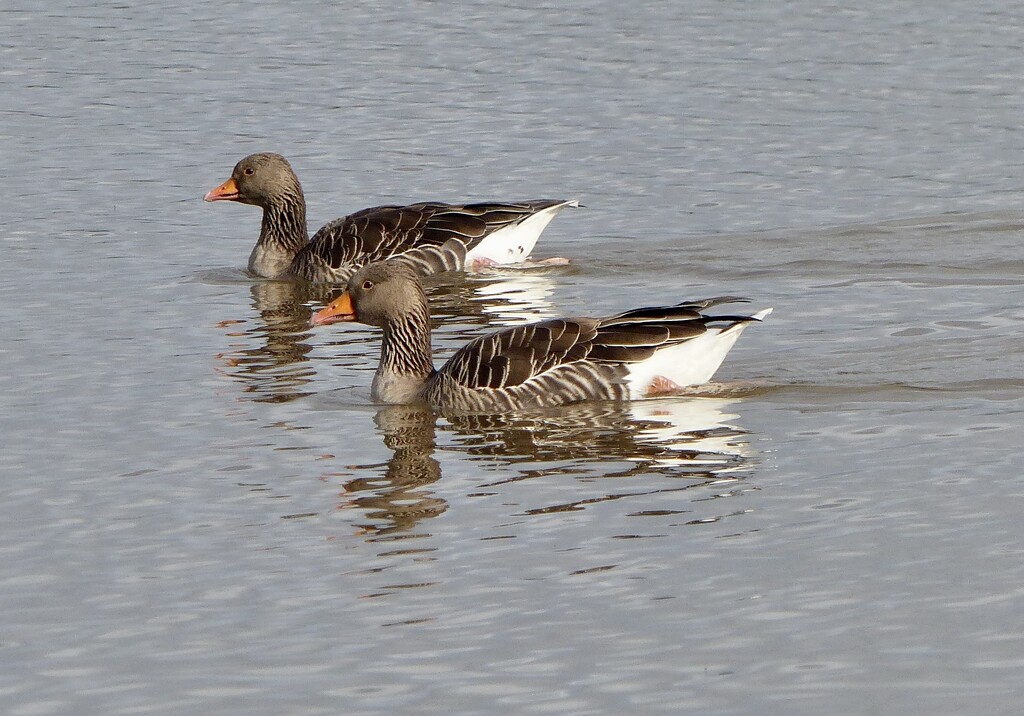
[(248, 171), (367, 285)]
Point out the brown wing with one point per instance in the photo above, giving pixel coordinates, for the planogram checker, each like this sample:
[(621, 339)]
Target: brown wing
[(385, 232), (511, 357), (514, 356)]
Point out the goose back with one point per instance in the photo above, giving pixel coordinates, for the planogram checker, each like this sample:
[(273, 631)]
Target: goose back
[(384, 232), (567, 360)]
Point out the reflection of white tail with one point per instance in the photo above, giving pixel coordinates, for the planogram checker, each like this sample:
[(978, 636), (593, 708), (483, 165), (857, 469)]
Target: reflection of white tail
[(691, 425), (516, 298), (514, 243), (692, 362)]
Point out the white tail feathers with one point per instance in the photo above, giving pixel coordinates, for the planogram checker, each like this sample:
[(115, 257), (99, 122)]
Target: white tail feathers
[(692, 362), (513, 244)]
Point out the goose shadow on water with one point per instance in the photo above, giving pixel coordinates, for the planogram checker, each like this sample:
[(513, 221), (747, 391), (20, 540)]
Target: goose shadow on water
[(693, 441), (269, 350)]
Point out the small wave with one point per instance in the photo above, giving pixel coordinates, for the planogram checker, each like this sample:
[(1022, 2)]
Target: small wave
[(223, 276), (990, 389)]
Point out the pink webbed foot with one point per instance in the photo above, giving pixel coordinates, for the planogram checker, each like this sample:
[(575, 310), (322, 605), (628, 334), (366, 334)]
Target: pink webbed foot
[(660, 385), (482, 262)]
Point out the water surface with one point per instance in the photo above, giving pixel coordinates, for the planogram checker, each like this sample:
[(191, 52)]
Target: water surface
[(203, 513)]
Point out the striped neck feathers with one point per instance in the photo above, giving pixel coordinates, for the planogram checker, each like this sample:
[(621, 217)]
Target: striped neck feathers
[(284, 223), (406, 346), (405, 358)]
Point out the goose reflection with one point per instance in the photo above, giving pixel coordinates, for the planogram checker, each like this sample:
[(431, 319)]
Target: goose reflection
[(271, 358), (693, 438), (495, 298), (508, 299), (694, 441), (397, 498)]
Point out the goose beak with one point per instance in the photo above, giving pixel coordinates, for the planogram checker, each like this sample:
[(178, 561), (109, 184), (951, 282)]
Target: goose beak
[(228, 191), (338, 310)]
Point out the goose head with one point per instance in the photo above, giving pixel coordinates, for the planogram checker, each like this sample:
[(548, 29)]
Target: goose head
[(263, 180), (378, 294)]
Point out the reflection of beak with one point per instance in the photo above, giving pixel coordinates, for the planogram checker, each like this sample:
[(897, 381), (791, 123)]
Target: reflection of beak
[(338, 310), (228, 191)]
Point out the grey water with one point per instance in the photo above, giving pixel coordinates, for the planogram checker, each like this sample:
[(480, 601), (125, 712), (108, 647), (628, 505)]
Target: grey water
[(202, 512)]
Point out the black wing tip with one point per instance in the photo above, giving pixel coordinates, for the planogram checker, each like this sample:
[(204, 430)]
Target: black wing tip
[(530, 204), (716, 301)]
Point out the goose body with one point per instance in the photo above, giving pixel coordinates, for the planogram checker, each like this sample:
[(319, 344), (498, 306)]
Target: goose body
[(632, 355), (430, 236)]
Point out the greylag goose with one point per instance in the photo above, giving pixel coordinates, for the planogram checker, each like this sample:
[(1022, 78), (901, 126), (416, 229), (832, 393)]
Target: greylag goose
[(432, 236), (640, 353)]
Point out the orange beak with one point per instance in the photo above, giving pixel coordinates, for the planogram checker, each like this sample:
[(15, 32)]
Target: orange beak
[(338, 310), (228, 191)]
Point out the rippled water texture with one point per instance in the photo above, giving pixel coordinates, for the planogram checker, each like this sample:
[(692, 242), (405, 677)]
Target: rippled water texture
[(202, 512)]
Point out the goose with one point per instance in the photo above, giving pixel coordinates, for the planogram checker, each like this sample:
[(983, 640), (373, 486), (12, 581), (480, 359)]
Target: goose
[(641, 353), (432, 236)]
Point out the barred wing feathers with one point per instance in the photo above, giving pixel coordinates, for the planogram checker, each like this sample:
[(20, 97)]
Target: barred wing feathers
[(617, 357), (384, 232)]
